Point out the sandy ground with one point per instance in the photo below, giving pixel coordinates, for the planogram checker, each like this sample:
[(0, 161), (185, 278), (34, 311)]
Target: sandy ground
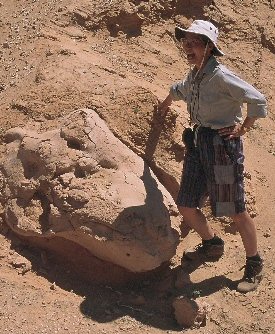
[(56, 57)]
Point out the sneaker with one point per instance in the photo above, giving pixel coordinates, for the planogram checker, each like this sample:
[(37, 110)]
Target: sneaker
[(253, 274), (210, 250)]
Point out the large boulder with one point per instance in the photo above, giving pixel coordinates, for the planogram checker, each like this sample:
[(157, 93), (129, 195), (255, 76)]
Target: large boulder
[(81, 183)]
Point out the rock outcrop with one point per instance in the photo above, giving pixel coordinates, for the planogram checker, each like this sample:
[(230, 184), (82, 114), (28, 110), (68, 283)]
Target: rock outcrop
[(79, 182)]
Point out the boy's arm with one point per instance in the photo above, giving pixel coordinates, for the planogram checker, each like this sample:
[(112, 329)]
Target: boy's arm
[(245, 93), (163, 106)]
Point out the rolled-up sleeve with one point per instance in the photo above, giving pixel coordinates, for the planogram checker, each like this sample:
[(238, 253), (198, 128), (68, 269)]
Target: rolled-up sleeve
[(256, 105), (178, 90), (245, 93)]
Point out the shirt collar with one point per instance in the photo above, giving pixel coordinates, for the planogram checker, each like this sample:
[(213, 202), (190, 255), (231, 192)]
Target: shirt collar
[(211, 64), (209, 67)]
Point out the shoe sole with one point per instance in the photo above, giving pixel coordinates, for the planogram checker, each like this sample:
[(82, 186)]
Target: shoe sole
[(258, 278)]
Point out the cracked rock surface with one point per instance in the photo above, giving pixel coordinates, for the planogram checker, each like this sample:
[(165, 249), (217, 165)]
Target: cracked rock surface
[(81, 183)]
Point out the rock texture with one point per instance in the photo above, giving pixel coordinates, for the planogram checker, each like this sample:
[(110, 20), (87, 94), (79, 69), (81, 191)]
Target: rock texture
[(190, 312), (81, 183)]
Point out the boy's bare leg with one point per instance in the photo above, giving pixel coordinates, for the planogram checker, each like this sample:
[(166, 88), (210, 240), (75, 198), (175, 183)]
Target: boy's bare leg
[(247, 230), (245, 225), (197, 221), (212, 247)]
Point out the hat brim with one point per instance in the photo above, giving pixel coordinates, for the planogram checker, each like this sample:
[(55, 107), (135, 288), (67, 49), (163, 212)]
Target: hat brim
[(180, 33)]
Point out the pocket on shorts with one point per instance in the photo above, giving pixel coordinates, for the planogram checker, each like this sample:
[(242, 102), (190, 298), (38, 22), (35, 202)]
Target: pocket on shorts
[(224, 165), (224, 174)]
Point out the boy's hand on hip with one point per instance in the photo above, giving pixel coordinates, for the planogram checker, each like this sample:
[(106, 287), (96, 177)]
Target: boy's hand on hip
[(233, 131)]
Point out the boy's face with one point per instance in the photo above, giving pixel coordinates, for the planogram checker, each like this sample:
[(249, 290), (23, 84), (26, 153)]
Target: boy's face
[(194, 48)]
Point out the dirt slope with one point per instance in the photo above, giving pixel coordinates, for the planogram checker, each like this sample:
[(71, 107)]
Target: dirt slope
[(119, 57)]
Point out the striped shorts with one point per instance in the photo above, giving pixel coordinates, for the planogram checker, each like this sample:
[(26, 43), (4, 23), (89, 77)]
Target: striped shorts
[(213, 168)]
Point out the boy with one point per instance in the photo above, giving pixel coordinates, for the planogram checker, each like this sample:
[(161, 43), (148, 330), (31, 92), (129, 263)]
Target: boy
[(213, 164)]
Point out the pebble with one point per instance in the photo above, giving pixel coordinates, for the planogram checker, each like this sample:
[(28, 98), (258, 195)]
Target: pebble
[(6, 45), (53, 286)]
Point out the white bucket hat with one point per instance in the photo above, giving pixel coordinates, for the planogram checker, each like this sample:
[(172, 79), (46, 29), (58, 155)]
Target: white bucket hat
[(204, 28)]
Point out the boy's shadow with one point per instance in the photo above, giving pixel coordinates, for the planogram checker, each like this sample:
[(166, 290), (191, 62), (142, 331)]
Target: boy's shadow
[(150, 301), (203, 288)]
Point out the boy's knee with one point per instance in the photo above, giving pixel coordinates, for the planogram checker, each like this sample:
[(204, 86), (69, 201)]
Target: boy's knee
[(186, 212), (240, 217)]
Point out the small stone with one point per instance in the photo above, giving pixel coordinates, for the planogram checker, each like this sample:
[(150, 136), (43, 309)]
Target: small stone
[(247, 175), (6, 45), (66, 52), (53, 286), (190, 312), (22, 264), (80, 15), (49, 53)]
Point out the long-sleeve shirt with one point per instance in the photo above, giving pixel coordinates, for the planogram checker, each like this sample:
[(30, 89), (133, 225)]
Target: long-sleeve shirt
[(215, 97)]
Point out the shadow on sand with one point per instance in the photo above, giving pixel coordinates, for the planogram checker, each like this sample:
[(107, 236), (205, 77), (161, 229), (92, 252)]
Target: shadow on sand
[(146, 297)]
